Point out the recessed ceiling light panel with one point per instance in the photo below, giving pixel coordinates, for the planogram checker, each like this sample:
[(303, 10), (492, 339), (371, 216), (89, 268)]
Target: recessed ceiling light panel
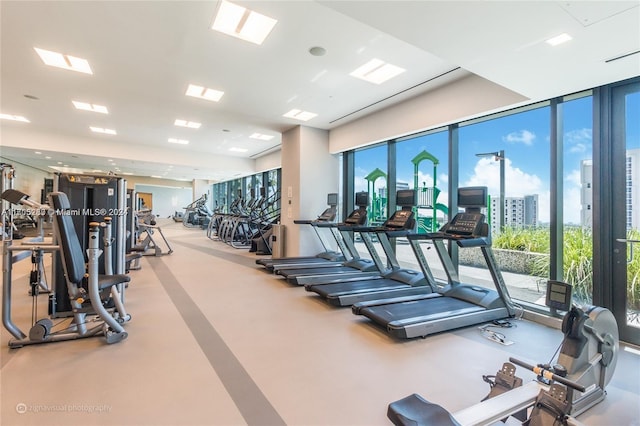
[(300, 115), (204, 93), (261, 137), (14, 118), (377, 71), (101, 130), (66, 62), (559, 39), (240, 22), (189, 124), (234, 149), (178, 141), (90, 107)]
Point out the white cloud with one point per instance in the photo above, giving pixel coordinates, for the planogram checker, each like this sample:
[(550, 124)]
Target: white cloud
[(423, 178), (517, 183), (544, 206), (572, 197), (578, 136), (571, 205), (573, 177), (359, 183), (444, 180), (578, 141), (523, 136), (577, 148)]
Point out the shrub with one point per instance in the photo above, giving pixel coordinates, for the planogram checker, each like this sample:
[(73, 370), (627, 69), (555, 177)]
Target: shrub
[(577, 258)]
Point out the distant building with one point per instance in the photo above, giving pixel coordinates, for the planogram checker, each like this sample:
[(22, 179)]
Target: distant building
[(586, 193), (632, 190), (519, 212)]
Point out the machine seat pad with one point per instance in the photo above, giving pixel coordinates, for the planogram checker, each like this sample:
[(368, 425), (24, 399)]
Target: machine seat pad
[(414, 410), (106, 281)]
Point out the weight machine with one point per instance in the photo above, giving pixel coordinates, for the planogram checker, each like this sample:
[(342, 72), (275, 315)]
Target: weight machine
[(89, 293), (569, 386)]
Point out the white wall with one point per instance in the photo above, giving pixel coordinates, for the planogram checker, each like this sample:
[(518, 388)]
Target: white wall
[(468, 97), (167, 200), (269, 162), (309, 172)]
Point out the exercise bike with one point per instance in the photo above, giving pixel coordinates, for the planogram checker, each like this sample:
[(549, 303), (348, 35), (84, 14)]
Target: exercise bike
[(569, 386)]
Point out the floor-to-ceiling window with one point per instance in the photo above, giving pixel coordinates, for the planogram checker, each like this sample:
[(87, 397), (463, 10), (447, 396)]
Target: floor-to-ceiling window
[(623, 185), (510, 155), (271, 205), (560, 200), (422, 164), (248, 188), (577, 196), (220, 195), (371, 175)]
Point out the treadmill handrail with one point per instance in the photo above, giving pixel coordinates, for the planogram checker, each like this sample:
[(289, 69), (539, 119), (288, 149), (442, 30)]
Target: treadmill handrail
[(312, 222), (380, 229), (462, 240), (335, 225)]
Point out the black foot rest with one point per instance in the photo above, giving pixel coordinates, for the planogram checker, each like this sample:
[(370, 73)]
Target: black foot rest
[(414, 410), (106, 281)]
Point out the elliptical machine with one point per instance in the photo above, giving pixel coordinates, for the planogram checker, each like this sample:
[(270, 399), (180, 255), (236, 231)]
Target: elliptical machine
[(569, 386)]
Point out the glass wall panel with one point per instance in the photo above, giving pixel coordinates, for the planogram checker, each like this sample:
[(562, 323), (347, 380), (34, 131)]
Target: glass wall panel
[(631, 134), (422, 163), (577, 220), (511, 156), (235, 194), (370, 174), (220, 195), (258, 184)]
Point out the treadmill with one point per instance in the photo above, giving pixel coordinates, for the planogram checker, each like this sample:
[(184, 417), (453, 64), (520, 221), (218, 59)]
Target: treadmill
[(327, 255), (455, 305), (391, 282), (342, 232)]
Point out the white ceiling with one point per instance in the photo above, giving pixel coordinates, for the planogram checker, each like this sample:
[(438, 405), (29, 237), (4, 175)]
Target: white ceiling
[(144, 54)]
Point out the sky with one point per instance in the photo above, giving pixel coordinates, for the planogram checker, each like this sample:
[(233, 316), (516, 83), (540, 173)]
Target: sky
[(525, 139)]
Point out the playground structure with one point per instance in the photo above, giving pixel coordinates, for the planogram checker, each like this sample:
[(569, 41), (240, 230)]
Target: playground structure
[(427, 208), (428, 196), (378, 202)]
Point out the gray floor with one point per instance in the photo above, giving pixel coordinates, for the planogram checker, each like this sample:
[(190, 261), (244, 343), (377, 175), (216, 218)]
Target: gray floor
[(215, 340)]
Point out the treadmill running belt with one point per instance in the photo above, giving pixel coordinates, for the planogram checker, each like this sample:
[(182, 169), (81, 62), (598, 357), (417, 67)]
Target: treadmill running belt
[(292, 273), (418, 310), (351, 287)]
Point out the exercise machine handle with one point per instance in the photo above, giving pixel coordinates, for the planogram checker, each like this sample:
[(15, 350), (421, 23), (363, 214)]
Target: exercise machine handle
[(548, 375)]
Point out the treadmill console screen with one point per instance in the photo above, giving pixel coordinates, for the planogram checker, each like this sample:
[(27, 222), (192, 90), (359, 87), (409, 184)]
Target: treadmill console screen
[(472, 196), (466, 224), (400, 219), (328, 215), (362, 199), (357, 217), (406, 198), (558, 295)]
